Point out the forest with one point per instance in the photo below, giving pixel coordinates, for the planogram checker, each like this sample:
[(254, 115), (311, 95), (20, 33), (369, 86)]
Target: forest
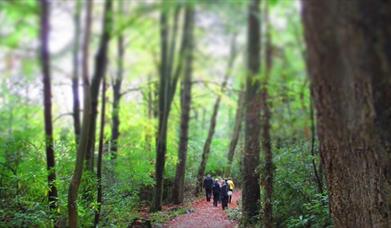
[(117, 113)]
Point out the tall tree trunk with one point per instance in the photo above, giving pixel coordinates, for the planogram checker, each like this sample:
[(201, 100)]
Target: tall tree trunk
[(85, 73), (99, 200), (117, 89), (178, 188), (213, 119), (250, 174), (47, 102), (75, 75), (236, 132), (90, 104), (117, 96), (167, 87), (266, 116), (349, 66), (163, 114)]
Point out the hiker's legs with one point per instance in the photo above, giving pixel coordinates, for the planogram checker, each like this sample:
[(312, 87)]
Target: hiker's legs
[(215, 200), (224, 202), (208, 194)]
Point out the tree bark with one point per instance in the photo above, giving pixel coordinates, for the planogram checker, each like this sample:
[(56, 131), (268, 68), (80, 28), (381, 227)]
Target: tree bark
[(266, 138), (235, 133), (213, 119), (47, 102), (99, 200), (349, 67), (75, 75), (250, 173), (90, 104), (178, 188)]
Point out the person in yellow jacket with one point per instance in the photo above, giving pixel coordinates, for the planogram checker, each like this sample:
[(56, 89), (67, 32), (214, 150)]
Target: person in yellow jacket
[(231, 187)]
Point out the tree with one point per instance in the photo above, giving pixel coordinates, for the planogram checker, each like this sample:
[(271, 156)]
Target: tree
[(99, 197), (213, 119), (117, 90), (235, 132), (266, 116), (250, 174), (349, 67), (90, 106), (89, 155), (167, 87), (178, 188), (75, 74), (47, 102)]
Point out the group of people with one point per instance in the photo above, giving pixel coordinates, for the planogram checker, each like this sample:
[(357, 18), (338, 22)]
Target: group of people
[(221, 189)]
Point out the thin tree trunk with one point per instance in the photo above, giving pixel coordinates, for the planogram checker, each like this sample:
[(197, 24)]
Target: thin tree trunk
[(85, 71), (75, 75), (117, 96), (349, 67), (163, 114), (317, 174), (99, 200), (90, 104), (47, 103), (178, 188), (213, 120), (150, 113), (236, 132), (266, 138), (250, 173)]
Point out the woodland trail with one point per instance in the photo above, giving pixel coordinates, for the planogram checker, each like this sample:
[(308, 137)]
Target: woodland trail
[(205, 215)]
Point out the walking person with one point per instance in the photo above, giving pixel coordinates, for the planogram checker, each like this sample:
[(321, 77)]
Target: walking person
[(216, 192), (224, 194), (208, 185), (231, 187)]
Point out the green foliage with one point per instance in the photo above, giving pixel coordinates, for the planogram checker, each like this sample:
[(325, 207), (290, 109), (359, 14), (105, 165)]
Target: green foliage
[(162, 217), (296, 199), (234, 214)]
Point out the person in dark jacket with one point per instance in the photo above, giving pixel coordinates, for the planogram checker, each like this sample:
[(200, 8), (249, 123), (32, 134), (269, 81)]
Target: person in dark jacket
[(208, 185), (216, 192), (224, 194)]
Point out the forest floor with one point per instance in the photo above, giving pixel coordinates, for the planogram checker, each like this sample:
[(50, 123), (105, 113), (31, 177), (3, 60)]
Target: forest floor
[(205, 215)]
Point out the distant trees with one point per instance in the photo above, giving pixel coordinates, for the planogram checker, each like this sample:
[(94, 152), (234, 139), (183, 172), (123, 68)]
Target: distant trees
[(188, 37), (250, 173), (349, 67), (89, 113), (47, 102)]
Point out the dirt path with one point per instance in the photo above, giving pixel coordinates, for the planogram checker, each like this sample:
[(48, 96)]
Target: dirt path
[(205, 216)]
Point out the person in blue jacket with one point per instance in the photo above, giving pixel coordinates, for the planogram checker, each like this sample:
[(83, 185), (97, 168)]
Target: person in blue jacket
[(216, 192), (208, 185), (224, 194)]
